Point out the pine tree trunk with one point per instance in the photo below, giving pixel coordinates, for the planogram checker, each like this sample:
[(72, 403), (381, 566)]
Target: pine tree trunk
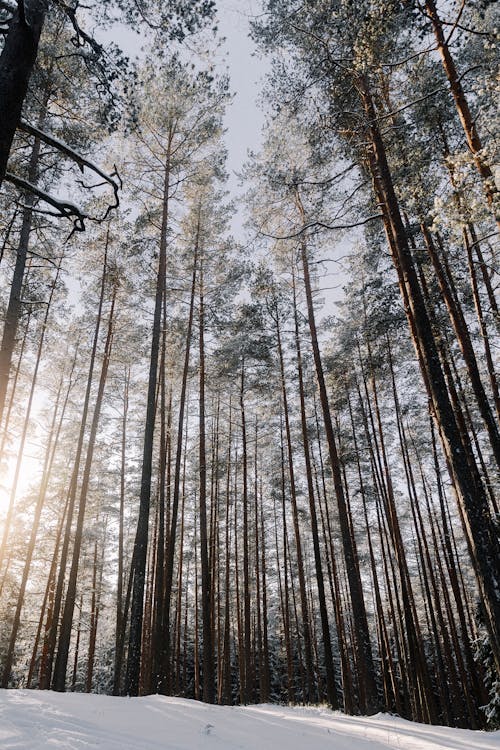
[(311, 692), (282, 565), (159, 583), (16, 65), (120, 613), (464, 113), (59, 677), (225, 692), (482, 324), (327, 645), (47, 607), (471, 494), (95, 607), (51, 635), (247, 643), (163, 685), (206, 580), (142, 532), (15, 381), (24, 433), (52, 446), (364, 658), (465, 343)]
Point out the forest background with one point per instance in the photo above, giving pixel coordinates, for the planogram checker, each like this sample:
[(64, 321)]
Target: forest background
[(216, 483)]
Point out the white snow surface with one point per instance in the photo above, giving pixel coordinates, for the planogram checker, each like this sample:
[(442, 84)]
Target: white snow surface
[(36, 720)]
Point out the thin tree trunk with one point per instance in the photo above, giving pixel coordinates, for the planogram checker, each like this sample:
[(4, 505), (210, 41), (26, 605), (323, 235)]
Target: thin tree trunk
[(47, 606), (464, 113), (247, 650), (163, 685), (465, 343), (76, 655), (482, 325), (51, 634), (120, 614), (364, 657), (225, 693), (95, 608), (59, 677), (142, 532), (325, 627), (206, 580), (52, 445), (311, 694), (12, 498)]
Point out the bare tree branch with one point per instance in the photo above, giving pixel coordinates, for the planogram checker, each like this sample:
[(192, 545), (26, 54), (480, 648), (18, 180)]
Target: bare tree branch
[(457, 21), (81, 37), (322, 225)]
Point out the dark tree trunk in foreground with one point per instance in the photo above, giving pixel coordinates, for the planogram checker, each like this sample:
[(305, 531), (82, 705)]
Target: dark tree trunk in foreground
[(16, 65), (464, 340), (14, 307)]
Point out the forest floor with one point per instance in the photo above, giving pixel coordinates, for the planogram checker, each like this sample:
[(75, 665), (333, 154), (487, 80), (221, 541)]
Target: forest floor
[(32, 720)]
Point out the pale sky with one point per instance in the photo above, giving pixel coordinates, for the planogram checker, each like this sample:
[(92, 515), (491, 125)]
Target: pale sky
[(244, 120)]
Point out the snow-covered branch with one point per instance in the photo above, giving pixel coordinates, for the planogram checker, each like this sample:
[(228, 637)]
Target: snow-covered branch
[(7, 11), (112, 179), (81, 37), (63, 208), (8, 6)]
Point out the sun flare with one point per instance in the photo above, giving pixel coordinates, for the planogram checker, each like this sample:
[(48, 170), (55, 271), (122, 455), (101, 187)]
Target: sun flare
[(13, 488)]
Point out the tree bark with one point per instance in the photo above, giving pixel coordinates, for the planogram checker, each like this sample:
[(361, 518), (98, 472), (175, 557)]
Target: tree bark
[(206, 580), (142, 532), (52, 445), (51, 634), (59, 678), (325, 627), (464, 113), (16, 65), (364, 657), (164, 677), (470, 490)]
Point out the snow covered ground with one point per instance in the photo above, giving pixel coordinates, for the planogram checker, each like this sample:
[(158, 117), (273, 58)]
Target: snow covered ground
[(31, 720)]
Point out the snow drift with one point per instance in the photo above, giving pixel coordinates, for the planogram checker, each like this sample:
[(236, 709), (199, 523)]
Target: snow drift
[(36, 720)]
